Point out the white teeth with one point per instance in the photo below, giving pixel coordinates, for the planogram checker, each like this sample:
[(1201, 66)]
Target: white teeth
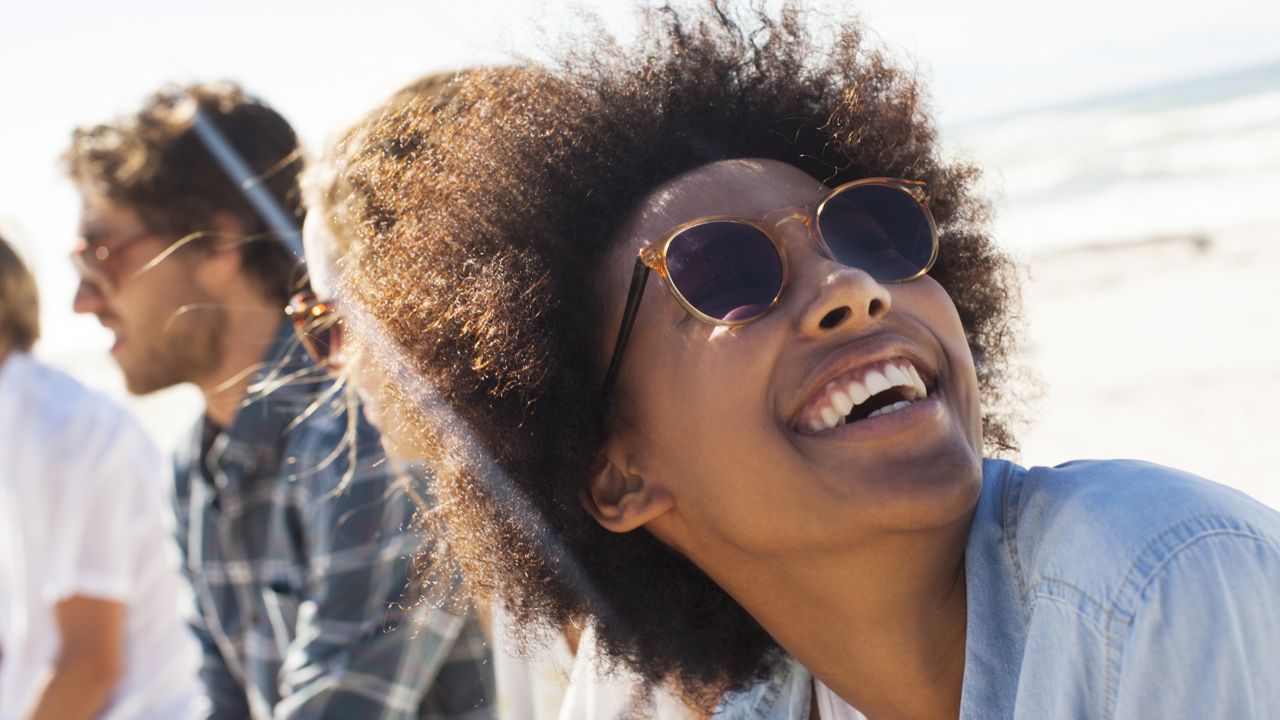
[(841, 402), (916, 382), (890, 408), (896, 376), (858, 392), (913, 375), (876, 382)]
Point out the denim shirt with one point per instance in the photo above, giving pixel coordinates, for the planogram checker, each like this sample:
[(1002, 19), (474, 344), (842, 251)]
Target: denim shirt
[(1104, 589)]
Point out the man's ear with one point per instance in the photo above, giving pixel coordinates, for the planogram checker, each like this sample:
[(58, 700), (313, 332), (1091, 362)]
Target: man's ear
[(619, 496)]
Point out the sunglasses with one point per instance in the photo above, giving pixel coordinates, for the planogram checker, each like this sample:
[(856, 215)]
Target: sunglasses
[(98, 259), (317, 325), (729, 271)]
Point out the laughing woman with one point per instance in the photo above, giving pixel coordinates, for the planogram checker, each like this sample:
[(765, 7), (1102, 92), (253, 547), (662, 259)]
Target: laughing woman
[(709, 344)]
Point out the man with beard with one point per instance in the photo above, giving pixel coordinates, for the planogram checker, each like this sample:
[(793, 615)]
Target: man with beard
[(292, 525)]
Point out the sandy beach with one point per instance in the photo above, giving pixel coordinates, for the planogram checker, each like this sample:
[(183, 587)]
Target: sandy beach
[(1166, 349)]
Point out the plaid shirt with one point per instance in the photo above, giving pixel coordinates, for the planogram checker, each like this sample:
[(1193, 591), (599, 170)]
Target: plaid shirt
[(296, 540)]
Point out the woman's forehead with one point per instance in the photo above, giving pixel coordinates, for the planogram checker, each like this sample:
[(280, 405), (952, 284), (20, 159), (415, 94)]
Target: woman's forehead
[(748, 188), (321, 250)]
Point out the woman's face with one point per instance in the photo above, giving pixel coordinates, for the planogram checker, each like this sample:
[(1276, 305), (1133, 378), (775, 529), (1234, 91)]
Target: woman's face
[(348, 360), (729, 422)]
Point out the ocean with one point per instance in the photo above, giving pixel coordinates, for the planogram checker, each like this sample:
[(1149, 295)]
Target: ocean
[(1186, 159)]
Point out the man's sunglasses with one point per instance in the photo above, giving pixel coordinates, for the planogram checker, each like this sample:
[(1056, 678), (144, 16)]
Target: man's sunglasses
[(729, 271), (98, 258), (317, 324)]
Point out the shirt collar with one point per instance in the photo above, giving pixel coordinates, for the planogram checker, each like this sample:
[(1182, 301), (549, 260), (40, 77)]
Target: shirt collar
[(285, 387), (997, 623)]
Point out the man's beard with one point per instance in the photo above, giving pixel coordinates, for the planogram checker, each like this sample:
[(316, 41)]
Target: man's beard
[(188, 348)]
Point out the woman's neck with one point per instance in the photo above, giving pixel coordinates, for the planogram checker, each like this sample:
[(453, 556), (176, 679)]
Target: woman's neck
[(883, 627)]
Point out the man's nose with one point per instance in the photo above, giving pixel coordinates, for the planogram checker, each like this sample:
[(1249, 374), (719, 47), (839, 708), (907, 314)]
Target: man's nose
[(94, 282), (88, 297)]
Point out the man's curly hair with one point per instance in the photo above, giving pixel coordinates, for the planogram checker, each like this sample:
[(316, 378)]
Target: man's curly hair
[(481, 225), (153, 162)]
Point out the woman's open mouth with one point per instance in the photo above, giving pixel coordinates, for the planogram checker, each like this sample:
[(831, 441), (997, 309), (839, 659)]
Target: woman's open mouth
[(870, 391)]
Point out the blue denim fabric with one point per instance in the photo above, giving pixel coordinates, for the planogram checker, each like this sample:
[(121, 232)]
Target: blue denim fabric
[(1105, 589)]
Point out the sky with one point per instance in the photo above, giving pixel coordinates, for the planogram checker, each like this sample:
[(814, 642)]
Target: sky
[(64, 64)]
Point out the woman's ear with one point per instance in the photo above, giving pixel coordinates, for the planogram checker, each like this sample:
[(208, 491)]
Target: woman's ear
[(619, 496)]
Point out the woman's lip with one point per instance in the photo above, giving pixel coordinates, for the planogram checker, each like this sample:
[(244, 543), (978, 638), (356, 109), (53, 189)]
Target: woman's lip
[(860, 353)]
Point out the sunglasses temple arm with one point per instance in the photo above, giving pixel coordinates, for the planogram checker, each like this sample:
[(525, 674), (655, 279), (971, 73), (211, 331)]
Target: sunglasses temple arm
[(639, 276)]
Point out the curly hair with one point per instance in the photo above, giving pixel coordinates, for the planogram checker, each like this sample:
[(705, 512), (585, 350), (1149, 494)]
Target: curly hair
[(326, 183), (480, 225), (153, 162)]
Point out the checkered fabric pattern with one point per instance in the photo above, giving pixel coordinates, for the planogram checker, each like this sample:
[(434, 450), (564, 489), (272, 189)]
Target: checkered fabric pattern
[(295, 533)]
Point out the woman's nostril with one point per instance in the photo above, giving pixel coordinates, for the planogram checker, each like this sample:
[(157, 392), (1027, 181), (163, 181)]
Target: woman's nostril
[(876, 308), (834, 318)]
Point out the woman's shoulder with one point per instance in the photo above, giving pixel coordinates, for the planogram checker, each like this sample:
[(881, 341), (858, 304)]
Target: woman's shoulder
[(1120, 500), (1150, 582), (1106, 528)]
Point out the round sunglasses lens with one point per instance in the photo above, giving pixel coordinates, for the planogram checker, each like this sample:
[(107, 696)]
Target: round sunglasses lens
[(320, 342), (727, 270), (316, 325), (879, 229)]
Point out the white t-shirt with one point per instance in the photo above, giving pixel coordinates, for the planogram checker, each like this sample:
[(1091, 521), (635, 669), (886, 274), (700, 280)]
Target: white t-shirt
[(531, 685), (831, 707), (82, 512), (551, 683), (598, 692)]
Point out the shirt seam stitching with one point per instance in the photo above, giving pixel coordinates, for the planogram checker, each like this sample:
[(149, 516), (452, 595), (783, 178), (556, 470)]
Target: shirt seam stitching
[(1118, 635), (1011, 498)]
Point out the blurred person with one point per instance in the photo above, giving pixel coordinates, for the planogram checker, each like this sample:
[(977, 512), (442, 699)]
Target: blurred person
[(771, 480), (557, 677), (294, 530), (90, 601)]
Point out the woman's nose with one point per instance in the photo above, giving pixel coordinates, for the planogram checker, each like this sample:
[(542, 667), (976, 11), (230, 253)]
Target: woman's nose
[(838, 298)]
